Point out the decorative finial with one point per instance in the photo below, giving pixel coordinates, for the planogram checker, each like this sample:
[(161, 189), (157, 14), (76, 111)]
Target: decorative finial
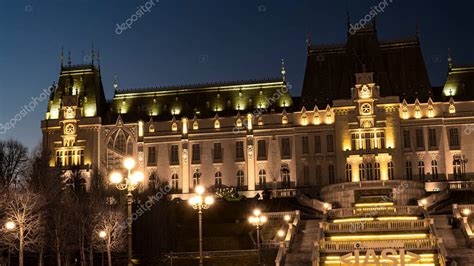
[(98, 59), (92, 54), (62, 56), (283, 70), (115, 83), (308, 40), (450, 60), (69, 58)]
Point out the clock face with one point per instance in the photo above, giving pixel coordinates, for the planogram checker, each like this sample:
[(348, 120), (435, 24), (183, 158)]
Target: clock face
[(70, 129), (366, 109)]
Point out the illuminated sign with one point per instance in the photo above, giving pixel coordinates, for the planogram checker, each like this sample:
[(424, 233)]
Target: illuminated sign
[(387, 257)]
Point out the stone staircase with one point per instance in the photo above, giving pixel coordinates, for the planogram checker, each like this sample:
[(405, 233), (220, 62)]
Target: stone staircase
[(301, 250)]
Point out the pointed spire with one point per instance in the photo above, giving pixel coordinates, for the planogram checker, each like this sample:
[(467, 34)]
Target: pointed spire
[(283, 70), (62, 56), (92, 54), (450, 60), (115, 83), (69, 58), (348, 17), (98, 59)]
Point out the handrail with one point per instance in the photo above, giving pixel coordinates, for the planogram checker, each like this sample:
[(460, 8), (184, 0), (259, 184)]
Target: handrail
[(290, 234), (463, 220), (314, 203)]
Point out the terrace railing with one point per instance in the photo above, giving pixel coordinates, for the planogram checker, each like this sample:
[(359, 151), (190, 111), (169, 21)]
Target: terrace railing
[(375, 211), (371, 226), (328, 246)]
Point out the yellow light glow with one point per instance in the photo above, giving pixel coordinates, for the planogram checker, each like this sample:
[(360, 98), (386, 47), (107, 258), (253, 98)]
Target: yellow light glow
[(209, 200), (217, 124), (249, 121), (140, 128), (377, 204), (129, 163), (102, 234), (287, 218), (350, 220), (397, 218), (199, 190), (377, 237), (184, 121), (466, 212), (281, 233), (137, 177), (257, 212), (90, 111), (10, 225), (116, 178)]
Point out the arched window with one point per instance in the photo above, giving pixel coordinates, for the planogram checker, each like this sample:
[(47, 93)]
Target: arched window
[(240, 179), (421, 170), (285, 176), (120, 142), (390, 170), (130, 147), (262, 179), (434, 169), (196, 178), (361, 172), (174, 182), (218, 180), (348, 173), (408, 170), (332, 178), (377, 171), (370, 174)]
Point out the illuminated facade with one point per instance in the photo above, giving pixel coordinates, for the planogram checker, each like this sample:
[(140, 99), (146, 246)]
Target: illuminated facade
[(253, 135)]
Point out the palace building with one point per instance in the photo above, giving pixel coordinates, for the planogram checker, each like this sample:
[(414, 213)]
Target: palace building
[(387, 153), (367, 112)]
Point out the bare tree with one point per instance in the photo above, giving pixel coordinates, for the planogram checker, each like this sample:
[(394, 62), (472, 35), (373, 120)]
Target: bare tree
[(13, 161), (110, 232), (23, 208)]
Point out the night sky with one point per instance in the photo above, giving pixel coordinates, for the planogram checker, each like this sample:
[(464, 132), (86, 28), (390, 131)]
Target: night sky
[(190, 41)]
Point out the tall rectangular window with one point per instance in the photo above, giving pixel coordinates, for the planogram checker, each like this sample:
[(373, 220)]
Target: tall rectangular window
[(262, 150), (305, 144), (406, 139), (419, 138), (453, 137), (239, 151), (330, 143), (174, 156), (217, 153), (285, 148), (432, 137), (317, 144), (151, 156), (319, 173), (196, 153), (354, 141)]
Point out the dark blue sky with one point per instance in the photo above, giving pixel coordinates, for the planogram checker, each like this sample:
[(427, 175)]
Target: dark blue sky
[(189, 41)]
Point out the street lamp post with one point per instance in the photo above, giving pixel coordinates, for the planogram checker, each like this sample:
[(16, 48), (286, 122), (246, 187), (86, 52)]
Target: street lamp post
[(10, 226), (198, 203), (129, 184), (103, 235), (257, 219)]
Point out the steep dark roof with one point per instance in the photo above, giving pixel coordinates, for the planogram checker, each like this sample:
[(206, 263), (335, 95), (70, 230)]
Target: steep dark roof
[(460, 82), (398, 66)]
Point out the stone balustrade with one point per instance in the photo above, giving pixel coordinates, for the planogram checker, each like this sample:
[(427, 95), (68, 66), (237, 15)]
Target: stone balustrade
[(372, 226), (375, 211), (328, 246)]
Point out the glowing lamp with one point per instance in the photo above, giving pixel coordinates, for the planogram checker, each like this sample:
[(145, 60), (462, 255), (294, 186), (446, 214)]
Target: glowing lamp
[(102, 234), (129, 163), (116, 178), (10, 225)]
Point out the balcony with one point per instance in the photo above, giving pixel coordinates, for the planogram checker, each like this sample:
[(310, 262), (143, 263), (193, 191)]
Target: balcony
[(371, 184)]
